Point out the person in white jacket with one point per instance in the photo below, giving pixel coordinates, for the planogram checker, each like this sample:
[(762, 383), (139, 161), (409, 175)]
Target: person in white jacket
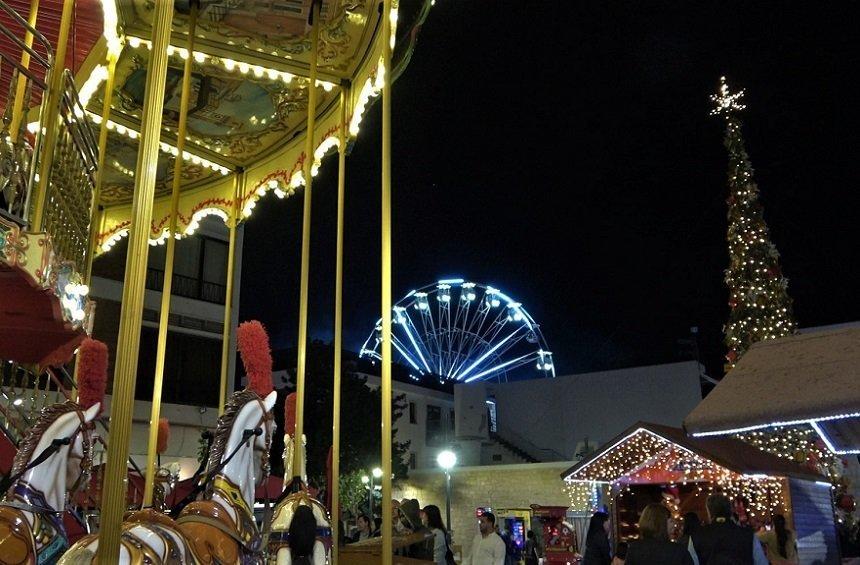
[(488, 548)]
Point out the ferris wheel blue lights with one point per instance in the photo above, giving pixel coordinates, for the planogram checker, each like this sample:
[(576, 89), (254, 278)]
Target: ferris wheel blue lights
[(464, 331)]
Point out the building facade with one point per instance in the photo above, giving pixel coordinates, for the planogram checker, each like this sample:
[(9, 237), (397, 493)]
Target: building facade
[(194, 338)]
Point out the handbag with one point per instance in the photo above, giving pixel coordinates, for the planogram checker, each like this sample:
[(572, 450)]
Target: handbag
[(449, 555)]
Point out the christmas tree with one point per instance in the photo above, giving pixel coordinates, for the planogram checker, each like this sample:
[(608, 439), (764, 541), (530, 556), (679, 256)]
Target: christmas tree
[(758, 293)]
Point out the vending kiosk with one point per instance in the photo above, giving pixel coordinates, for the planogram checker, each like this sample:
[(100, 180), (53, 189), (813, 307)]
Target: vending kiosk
[(557, 536)]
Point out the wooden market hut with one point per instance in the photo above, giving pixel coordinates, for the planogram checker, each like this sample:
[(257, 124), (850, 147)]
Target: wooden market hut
[(656, 463), (808, 379)]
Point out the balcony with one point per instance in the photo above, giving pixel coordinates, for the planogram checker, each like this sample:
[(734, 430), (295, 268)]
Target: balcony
[(48, 165)]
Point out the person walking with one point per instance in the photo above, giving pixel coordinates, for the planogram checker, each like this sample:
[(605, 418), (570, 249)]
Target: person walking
[(487, 547), (433, 521), (722, 542), (653, 546), (597, 546), (691, 526), (781, 543), (532, 555)]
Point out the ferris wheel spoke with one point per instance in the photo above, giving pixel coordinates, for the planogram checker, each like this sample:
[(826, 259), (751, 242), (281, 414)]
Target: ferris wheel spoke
[(458, 375), (499, 354), (485, 341), (398, 345), (417, 348), (507, 365), (462, 337)]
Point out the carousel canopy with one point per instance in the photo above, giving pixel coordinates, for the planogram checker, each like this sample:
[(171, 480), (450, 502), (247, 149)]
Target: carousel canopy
[(809, 378), (653, 453), (248, 108)]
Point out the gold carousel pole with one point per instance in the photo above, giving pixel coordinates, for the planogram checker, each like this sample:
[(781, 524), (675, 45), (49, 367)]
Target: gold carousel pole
[(92, 242), (306, 242), (338, 329), (387, 549), (164, 314), (21, 87), (227, 331), (131, 315), (52, 111)]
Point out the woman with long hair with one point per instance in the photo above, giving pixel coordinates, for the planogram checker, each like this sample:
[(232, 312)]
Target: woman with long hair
[(433, 521), (597, 550), (781, 543), (653, 546)]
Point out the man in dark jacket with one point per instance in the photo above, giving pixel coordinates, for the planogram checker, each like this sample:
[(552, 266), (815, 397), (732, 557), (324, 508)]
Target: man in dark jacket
[(722, 542)]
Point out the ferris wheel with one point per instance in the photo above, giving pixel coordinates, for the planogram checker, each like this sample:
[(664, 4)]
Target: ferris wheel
[(464, 331)]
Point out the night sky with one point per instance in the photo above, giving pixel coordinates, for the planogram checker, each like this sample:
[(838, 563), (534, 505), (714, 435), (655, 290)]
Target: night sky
[(564, 153)]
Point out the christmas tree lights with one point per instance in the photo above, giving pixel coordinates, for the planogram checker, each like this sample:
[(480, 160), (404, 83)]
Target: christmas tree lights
[(760, 307)]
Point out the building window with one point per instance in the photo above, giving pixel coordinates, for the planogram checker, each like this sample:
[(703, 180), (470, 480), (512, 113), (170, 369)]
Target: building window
[(412, 461), (435, 433), (413, 416)]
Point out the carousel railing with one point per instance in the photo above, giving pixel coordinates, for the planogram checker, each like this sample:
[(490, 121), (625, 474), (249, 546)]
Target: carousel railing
[(25, 392), (68, 202), (27, 85), (67, 194)]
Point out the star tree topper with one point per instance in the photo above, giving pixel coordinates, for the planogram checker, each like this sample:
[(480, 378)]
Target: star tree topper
[(725, 101)]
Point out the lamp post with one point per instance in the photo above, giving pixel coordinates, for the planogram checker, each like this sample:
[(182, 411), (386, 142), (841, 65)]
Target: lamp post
[(447, 460), (367, 481)]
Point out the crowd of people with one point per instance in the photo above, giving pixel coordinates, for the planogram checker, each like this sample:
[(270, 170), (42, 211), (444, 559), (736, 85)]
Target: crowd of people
[(722, 541), (409, 518)]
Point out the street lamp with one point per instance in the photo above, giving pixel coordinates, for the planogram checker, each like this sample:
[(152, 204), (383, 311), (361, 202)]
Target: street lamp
[(447, 459), (366, 480), (375, 473)]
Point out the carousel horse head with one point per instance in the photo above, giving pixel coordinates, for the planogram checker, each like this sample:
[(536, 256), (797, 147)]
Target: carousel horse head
[(57, 451), (68, 428), (246, 417)]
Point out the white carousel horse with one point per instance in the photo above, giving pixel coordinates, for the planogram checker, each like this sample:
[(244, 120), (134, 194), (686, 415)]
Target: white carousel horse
[(278, 542), (220, 529), (31, 520)]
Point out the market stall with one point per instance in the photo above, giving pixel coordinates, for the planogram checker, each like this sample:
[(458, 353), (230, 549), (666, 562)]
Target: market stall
[(655, 463)]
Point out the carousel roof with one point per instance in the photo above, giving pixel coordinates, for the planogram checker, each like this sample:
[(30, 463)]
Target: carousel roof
[(643, 443), (249, 96), (811, 378)]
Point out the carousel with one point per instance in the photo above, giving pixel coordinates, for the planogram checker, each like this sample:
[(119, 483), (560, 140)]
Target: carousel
[(138, 119)]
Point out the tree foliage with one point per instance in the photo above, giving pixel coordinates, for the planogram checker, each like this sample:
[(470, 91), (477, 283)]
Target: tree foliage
[(361, 414)]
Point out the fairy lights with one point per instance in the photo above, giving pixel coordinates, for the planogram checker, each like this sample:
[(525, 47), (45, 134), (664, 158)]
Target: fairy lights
[(760, 307), (644, 457), (230, 65), (726, 102), (165, 147)]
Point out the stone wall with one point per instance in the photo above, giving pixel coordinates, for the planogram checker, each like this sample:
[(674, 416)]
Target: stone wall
[(499, 487)]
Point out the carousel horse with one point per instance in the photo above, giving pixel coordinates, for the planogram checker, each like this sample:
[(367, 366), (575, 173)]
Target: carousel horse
[(221, 528), (279, 537), (56, 452)]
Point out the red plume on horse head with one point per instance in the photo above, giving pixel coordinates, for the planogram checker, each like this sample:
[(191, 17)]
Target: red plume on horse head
[(253, 344), (92, 373), (290, 414)]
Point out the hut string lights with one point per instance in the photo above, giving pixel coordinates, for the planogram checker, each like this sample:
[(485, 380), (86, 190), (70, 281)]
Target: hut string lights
[(645, 457)]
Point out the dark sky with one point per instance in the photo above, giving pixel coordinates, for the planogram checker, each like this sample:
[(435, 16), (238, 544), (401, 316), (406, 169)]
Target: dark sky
[(563, 152)]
